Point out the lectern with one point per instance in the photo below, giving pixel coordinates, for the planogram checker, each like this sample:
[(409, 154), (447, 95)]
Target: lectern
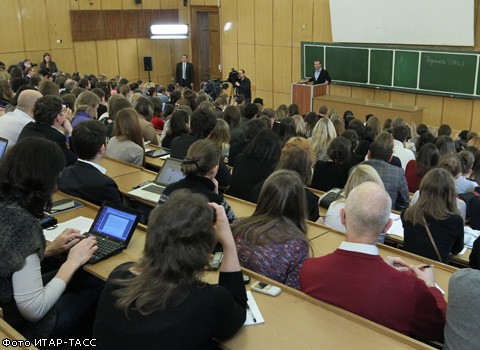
[(303, 95)]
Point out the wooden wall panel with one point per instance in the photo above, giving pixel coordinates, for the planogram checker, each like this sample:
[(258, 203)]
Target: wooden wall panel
[(340, 90), (34, 56), (34, 25), (296, 65), (228, 22), (12, 57), (382, 95), (112, 5), (164, 62), (403, 98), (366, 93), (11, 23), (282, 23), (197, 2), (211, 2), (130, 5), (263, 67), (432, 114), (282, 66), (247, 63), (302, 22), (146, 47), (107, 53), (65, 59), (267, 96), (229, 58), (86, 57), (322, 25), (89, 4), (74, 5), (246, 29), (263, 22), (170, 4), (279, 98), (127, 58), (476, 116), (151, 4), (58, 21), (457, 113)]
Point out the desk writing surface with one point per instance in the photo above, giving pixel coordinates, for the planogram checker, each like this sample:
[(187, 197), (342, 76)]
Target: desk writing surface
[(8, 332), (329, 242), (117, 168), (155, 163)]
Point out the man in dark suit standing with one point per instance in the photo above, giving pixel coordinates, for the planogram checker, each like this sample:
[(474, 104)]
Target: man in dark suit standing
[(184, 76), (86, 179), (320, 75)]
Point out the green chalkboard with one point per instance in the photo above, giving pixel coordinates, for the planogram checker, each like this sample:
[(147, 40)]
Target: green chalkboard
[(442, 72), (406, 69), (448, 72), (347, 64), (381, 67), (312, 53)]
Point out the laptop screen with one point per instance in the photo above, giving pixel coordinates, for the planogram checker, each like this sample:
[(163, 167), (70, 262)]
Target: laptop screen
[(3, 146), (114, 223), (171, 172)]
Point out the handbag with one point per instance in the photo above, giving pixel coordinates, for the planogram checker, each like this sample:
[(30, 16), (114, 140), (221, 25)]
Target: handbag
[(330, 197), (433, 243)]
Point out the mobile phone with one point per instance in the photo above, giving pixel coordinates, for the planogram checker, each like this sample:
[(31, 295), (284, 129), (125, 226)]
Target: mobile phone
[(265, 288), (216, 261)]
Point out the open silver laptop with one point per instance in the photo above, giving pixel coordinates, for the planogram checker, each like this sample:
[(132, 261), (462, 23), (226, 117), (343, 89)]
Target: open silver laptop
[(171, 172), (3, 146)]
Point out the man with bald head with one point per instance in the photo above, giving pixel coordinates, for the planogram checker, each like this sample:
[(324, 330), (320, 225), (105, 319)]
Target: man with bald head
[(12, 123), (355, 278)]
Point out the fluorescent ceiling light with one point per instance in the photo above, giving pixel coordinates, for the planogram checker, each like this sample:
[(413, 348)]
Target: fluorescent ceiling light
[(169, 29), (169, 36)]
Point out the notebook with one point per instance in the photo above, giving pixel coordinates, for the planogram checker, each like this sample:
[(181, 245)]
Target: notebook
[(3, 146), (171, 172), (113, 228)]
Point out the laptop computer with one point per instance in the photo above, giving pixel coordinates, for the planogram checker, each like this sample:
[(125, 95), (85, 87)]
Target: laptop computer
[(113, 228), (171, 172), (3, 146)]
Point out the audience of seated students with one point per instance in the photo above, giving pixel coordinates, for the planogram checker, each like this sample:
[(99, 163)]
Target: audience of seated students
[(334, 172), (353, 137), (387, 138), (52, 124), (445, 145), (86, 106), (232, 116), (127, 141), (427, 159), (354, 277), (392, 177), (200, 166), (311, 120), (12, 123), (323, 133), (251, 111), (220, 136), (150, 303), (157, 121), (254, 127), (374, 123), (364, 140), (255, 164), (462, 327), (144, 107), (36, 305), (433, 226), (179, 125), (400, 134), (358, 175), (87, 179), (273, 240), (115, 104), (475, 175), (463, 184), (287, 129)]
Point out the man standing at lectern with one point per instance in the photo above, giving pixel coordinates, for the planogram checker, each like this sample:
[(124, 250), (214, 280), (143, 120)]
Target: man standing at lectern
[(320, 75), (184, 73)]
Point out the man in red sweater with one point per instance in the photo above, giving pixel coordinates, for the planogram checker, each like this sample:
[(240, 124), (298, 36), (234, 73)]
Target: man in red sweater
[(394, 294)]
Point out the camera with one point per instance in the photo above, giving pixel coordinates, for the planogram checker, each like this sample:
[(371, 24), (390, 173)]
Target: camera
[(233, 76), (34, 64), (214, 88)]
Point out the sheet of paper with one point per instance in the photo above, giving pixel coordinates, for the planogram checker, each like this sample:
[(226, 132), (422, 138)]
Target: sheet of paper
[(463, 250), (81, 223), (165, 156), (253, 312), (397, 227), (440, 289)]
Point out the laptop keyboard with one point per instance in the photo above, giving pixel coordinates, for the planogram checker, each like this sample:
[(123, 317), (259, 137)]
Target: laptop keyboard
[(153, 189), (105, 249)]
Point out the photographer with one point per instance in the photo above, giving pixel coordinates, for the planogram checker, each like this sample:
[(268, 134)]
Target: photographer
[(243, 86)]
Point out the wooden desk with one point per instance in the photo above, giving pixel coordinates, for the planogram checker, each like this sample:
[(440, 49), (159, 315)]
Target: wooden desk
[(361, 107), (8, 332), (292, 319), (117, 168), (327, 243), (462, 260)]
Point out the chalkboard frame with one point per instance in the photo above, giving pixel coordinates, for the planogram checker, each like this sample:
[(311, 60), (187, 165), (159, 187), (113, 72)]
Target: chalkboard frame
[(321, 47)]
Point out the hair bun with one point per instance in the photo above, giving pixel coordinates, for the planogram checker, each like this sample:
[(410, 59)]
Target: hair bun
[(189, 161)]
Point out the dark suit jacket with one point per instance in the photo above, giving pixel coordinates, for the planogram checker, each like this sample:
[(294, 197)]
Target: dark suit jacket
[(189, 74), (324, 76), (46, 131), (85, 181)]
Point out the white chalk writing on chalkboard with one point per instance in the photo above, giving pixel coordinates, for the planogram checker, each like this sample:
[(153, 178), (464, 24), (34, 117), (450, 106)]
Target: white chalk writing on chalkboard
[(447, 61)]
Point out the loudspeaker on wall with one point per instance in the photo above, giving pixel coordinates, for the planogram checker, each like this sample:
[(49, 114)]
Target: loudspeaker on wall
[(147, 63)]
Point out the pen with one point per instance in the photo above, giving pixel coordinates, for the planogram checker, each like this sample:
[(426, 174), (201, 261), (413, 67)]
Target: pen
[(251, 313), (425, 267)]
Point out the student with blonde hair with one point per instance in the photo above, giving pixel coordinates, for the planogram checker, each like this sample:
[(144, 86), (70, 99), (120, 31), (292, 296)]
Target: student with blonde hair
[(299, 125), (220, 136), (86, 106), (358, 175), (322, 135), (127, 141)]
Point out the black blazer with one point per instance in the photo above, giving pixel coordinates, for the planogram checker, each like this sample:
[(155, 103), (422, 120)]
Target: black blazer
[(85, 181), (46, 131), (324, 76), (189, 74)]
